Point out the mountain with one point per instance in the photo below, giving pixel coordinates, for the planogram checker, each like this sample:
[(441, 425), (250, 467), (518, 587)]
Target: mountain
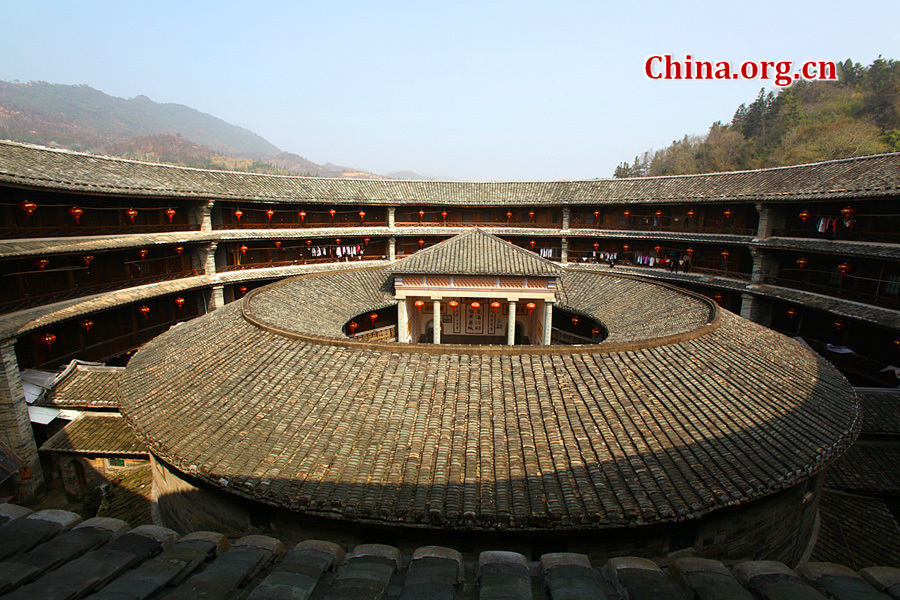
[(807, 122), (79, 117)]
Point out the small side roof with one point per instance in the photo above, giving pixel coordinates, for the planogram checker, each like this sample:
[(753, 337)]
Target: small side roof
[(84, 385), (96, 433), (476, 252)]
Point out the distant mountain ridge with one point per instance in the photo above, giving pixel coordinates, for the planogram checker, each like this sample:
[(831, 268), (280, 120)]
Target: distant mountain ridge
[(78, 117)]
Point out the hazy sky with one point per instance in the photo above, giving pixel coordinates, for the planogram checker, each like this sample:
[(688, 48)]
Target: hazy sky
[(463, 90)]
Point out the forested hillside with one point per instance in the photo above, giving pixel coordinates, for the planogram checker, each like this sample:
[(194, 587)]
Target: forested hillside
[(809, 121)]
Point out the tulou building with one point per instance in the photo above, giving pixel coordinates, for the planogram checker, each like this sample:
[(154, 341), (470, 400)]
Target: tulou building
[(602, 367)]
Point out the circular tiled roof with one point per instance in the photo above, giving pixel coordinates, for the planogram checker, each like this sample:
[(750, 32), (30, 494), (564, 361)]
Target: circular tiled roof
[(681, 411)]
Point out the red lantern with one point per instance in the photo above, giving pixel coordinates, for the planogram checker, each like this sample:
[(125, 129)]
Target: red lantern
[(76, 213), (337, 241), (444, 215), (531, 243), (352, 326), (495, 306), (86, 325), (419, 304), (277, 243), (421, 243), (453, 304), (843, 269), (238, 214), (728, 213), (270, 213), (691, 213), (595, 332), (839, 325), (508, 216), (143, 252), (658, 214), (804, 216), (302, 216), (802, 262), (131, 214), (626, 247), (86, 259), (596, 216), (308, 243), (243, 250), (28, 207), (792, 313), (366, 241), (42, 263), (332, 212), (596, 246), (848, 211), (690, 251), (530, 306), (179, 302), (726, 254), (170, 212), (48, 339), (718, 298), (373, 317), (243, 290), (475, 306), (626, 213), (145, 310), (576, 321), (531, 215), (657, 248), (362, 215), (179, 250), (421, 215)]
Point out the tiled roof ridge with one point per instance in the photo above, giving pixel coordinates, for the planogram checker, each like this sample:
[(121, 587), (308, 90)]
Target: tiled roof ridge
[(850, 159), (529, 258)]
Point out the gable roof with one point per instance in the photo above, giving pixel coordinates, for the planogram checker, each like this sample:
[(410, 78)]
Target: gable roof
[(477, 252), (96, 433)]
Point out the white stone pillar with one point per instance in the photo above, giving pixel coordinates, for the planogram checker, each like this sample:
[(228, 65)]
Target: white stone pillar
[(511, 324), (390, 216), (401, 321), (564, 251), (206, 217), (392, 248), (437, 321), (209, 263), (548, 322), (217, 297), (15, 427)]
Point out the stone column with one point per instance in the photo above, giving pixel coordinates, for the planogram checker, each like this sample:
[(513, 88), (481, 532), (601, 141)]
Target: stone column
[(390, 216), (15, 428), (401, 321), (511, 324), (217, 297), (437, 321), (564, 251), (756, 309), (764, 265), (392, 248), (566, 214), (206, 217), (209, 263), (548, 322), (770, 219)]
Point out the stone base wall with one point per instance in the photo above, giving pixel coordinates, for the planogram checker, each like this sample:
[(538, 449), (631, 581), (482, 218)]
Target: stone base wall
[(94, 471), (778, 527)]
